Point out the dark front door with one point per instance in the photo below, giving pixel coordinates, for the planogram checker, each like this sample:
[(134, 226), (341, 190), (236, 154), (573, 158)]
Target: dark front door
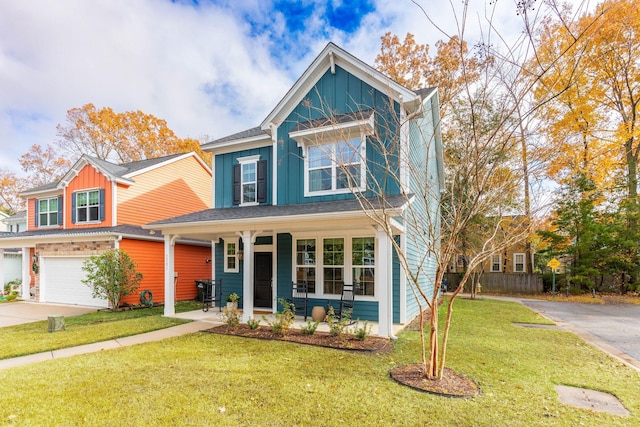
[(262, 275)]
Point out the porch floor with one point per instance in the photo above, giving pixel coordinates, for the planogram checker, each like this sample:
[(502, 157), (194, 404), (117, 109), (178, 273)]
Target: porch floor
[(216, 318)]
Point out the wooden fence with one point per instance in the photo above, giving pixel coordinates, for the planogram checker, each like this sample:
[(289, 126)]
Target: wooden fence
[(502, 283)]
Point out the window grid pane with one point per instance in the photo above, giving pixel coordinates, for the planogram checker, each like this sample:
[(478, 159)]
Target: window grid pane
[(363, 262), (334, 166)]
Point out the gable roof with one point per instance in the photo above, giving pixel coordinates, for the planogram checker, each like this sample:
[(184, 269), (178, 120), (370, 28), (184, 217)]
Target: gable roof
[(120, 173), (331, 56)]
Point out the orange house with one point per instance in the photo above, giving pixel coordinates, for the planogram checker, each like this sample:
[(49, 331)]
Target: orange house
[(97, 206)]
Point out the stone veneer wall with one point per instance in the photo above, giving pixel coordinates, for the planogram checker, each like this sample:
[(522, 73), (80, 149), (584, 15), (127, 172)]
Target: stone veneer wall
[(95, 247)]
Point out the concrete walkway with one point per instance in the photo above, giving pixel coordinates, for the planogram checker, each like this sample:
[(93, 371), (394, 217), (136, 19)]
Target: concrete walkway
[(174, 331)]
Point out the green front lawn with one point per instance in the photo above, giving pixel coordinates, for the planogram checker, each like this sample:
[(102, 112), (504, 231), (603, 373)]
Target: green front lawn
[(206, 379), (88, 328)]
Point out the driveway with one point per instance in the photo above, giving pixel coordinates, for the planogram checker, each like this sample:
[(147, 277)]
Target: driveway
[(614, 328), (16, 313)]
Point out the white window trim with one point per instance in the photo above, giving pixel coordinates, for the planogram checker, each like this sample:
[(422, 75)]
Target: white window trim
[(296, 265), (226, 256), (334, 134), (75, 195), (348, 267), (48, 212), (245, 161), (499, 270), (524, 264), (362, 156)]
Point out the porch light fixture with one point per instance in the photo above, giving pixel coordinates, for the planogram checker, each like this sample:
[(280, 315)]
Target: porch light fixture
[(240, 255), (35, 257)]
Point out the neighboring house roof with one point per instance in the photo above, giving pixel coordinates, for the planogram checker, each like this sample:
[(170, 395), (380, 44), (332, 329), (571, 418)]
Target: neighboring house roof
[(122, 172), (266, 211), (125, 230), (426, 92), (16, 218)]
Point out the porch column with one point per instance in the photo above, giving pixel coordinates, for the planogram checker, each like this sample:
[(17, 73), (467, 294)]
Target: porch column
[(26, 273), (248, 239), (2, 279), (384, 284), (169, 278)]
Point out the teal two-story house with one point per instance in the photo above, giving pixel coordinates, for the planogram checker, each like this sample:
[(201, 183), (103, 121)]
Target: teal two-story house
[(339, 184)]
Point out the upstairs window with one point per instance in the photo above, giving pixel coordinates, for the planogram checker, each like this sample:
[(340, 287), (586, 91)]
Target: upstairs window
[(87, 206), (335, 167), (334, 152), (48, 212), (249, 181)]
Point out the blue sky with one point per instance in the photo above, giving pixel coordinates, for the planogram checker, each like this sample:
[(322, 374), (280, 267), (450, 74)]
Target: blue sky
[(209, 68)]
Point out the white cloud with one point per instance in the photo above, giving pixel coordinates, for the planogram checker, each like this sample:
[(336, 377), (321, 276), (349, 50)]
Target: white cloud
[(212, 69)]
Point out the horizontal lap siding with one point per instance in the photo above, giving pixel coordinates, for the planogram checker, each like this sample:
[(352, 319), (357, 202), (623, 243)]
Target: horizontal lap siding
[(89, 179), (423, 214), (191, 265), (174, 189), (149, 257)]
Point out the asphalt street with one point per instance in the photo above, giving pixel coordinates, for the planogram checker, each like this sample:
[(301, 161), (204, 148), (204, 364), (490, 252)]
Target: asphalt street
[(615, 325)]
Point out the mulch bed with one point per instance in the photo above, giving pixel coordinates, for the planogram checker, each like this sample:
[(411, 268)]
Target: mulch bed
[(372, 344), (451, 384)]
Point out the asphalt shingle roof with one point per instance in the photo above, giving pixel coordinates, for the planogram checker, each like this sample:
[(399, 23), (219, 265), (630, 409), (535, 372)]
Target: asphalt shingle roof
[(132, 230), (249, 133), (266, 211)]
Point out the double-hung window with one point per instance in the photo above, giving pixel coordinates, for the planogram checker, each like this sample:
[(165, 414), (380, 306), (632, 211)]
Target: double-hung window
[(335, 157), (231, 264), (306, 263), (496, 263), (363, 262), (333, 258), (335, 167), (518, 263), (249, 181), (48, 212), (88, 206)]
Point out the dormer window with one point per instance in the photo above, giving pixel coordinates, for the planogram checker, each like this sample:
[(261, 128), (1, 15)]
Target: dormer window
[(249, 181), (334, 153)]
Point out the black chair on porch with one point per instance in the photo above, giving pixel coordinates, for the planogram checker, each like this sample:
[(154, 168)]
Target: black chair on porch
[(299, 298), (347, 299), (210, 293)]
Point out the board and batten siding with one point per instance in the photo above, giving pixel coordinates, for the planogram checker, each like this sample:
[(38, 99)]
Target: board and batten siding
[(177, 188), (149, 255), (333, 94), (88, 179), (223, 165)]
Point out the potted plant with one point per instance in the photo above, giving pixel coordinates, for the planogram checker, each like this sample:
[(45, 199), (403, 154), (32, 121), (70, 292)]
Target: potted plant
[(232, 301)]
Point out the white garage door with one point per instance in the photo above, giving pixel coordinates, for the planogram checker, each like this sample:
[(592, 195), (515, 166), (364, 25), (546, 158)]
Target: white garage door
[(61, 282)]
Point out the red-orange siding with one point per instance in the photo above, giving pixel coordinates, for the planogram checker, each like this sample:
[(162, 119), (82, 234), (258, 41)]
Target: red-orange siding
[(178, 188), (189, 263), (89, 179)]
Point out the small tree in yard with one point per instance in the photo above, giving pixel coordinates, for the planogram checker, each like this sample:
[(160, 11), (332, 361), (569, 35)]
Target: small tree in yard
[(111, 276)]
